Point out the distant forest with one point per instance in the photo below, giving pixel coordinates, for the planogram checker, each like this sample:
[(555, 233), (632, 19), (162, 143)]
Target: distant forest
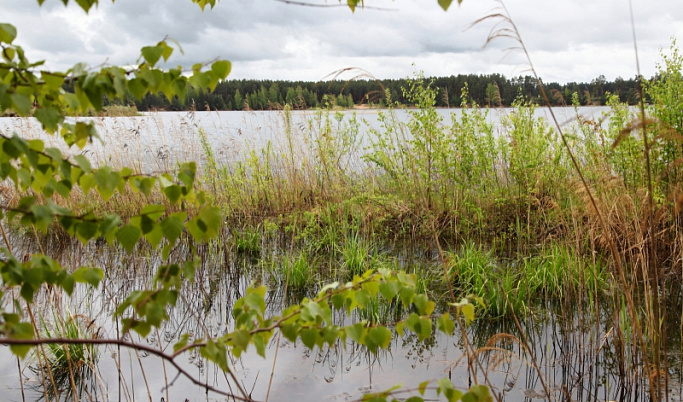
[(486, 90)]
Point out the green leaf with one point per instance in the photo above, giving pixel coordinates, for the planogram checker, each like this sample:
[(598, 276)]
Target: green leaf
[(388, 289), (52, 80), (154, 79), (106, 181), (406, 295), (49, 117), (378, 337), (21, 331), (420, 302), (7, 33), (290, 331), (180, 88), (255, 302), (240, 340), (137, 88), (467, 311), (372, 287), (446, 3), (167, 51), (448, 390), (480, 392), (172, 226), (141, 327), (92, 276), (182, 342), (356, 332), (330, 334), (21, 103), (152, 54), (259, 340), (86, 231), (128, 236), (363, 297), (200, 80), (309, 337), (203, 3), (207, 224), (85, 4), (173, 193), (338, 301), (83, 163), (67, 284), (216, 353), (143, 184), (221, 68), (8, 54), (445, 324), (187, 173), (109, 224), (399, 328), (423, 386), (421, 326)]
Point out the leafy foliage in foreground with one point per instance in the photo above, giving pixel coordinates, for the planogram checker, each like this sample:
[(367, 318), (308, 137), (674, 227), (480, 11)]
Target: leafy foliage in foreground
[(43, 176)]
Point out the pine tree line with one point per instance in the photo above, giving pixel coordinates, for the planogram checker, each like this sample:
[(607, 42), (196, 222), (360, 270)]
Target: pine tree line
[(486, 90)]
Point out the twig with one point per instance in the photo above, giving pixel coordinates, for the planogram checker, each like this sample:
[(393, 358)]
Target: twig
[(307, 4), (132, 345)]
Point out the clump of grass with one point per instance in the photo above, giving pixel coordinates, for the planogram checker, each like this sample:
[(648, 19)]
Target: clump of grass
[(476, 271), (70, 369), (247, 241), (554, 273), (558, 270), (357, 255), (300, 271)]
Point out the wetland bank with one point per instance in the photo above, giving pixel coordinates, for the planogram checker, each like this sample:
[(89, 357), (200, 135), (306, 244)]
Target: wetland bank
[(470, 202)]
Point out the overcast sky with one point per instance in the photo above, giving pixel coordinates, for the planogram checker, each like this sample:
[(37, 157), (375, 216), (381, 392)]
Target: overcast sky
[(569, 40)]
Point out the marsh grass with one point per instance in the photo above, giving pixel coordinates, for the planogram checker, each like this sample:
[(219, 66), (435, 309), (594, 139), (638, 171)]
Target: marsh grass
[(509, 286), (72, 368), (247, 241), (297, 272), (358, 255)]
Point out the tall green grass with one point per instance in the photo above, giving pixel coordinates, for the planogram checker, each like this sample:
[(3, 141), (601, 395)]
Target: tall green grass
[(510, 286)]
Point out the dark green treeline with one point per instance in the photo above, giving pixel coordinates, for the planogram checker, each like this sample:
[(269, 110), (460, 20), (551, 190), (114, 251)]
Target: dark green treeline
[(486, 90)]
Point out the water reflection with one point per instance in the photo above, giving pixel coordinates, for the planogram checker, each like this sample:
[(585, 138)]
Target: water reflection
[(577, 350)]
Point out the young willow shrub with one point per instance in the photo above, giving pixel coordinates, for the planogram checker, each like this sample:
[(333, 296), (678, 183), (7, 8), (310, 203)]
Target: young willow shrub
[(416, 159), (39, 174)]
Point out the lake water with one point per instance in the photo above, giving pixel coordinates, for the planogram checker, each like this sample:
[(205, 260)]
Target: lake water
[(575, 352), (155, 142)]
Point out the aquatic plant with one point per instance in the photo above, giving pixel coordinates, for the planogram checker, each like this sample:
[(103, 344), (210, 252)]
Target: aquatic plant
[(67, 370), (357, 255), (247, 241)]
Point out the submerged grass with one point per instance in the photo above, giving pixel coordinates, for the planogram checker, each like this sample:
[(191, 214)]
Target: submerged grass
[(509, 286), (72, 368)]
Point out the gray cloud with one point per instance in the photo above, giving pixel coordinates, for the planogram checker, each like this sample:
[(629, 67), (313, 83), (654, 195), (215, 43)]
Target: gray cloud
[(569, 40)]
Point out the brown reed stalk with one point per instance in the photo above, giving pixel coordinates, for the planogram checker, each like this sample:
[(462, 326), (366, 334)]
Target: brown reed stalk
[(506, 28)]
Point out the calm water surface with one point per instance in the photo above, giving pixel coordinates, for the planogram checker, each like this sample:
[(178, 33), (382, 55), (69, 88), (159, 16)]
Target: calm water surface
[(155, 142)]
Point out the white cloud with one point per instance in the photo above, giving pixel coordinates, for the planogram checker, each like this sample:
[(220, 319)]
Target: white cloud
[(569, 40)]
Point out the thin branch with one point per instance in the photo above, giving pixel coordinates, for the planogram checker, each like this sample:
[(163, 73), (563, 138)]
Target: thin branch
[(307, 4), (119, 342)]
